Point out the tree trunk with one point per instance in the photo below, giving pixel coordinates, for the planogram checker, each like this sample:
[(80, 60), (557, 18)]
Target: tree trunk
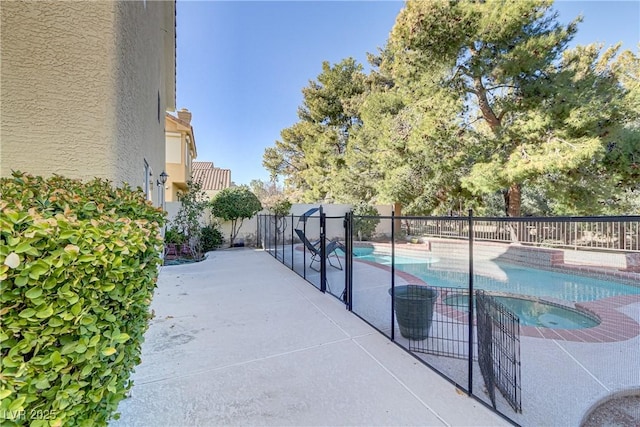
[(512, 200)]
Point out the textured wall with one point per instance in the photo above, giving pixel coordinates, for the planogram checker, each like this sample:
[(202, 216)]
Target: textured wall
[(57, 104), (80, 84), (140, 80)]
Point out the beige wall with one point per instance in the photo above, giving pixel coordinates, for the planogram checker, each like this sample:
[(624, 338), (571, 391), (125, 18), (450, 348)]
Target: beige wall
[(334, 212), (335, 225), (180, 152), (174, 148), (80, 86)]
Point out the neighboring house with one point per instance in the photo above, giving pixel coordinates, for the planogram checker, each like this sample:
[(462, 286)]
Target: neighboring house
[(212, 179), (85, 87), (180, 152)]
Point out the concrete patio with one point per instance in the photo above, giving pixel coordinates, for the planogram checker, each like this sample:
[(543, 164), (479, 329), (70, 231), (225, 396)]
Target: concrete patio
[(240, 339)]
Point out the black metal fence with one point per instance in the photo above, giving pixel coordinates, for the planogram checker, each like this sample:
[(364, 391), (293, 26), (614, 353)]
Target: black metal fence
[(601, 233), (499, 349), (295, 240), (434, 287)]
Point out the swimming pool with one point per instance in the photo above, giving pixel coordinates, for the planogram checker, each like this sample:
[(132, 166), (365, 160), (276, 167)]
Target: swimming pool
[(513, 279)]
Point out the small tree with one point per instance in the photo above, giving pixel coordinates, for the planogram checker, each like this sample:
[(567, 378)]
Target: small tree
[(364, 227), (235, 204), (280, 209), (187, 220)]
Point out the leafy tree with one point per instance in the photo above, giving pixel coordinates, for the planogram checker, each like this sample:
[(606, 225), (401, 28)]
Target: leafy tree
[(470, 100), (281, 208), (273, 199), (235, 204), (489, 54), (364, 227), (311, 153), (493, 101), (270, 194), (408, 148), (187, 220), (264, 190)]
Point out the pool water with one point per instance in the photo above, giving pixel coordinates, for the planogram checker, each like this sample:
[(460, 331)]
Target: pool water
[(535, 313), (360, 251), (513, 279)]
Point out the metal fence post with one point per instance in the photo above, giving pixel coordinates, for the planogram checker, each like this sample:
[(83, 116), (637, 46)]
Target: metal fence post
[(471, 301), (292, 242), (258, 232), (348, 260), (275, 234), (304, 251), (267, 228), (323, 263), (393, 275)]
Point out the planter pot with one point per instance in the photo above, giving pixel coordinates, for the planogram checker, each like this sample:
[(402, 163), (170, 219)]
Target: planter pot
[(414, 310)]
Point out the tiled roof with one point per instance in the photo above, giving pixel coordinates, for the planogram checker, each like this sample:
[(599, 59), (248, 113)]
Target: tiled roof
[(211, 178), (201, 165), (177, 120)]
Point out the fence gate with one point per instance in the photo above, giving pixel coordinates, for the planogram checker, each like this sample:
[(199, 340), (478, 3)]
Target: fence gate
[(499, 349)]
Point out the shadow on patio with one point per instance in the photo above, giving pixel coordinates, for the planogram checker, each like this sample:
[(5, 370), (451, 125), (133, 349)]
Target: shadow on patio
[(241, 339)]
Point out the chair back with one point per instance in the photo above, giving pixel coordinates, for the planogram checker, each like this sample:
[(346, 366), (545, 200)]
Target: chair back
[(333, 245), (306, 241)]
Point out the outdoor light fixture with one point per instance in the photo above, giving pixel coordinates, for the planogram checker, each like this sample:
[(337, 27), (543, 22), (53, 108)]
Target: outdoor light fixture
[(163, 180)]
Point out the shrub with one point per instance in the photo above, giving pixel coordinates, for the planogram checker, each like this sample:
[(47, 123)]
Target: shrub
[(173, 235), (210, 238), (365, 227), (78, 265), (187, 220)]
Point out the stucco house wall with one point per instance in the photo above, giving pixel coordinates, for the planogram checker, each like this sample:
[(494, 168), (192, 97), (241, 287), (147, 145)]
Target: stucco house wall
[(85, 86)]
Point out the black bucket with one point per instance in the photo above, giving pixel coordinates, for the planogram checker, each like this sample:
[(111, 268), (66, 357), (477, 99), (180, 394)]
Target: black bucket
[(414, 310)]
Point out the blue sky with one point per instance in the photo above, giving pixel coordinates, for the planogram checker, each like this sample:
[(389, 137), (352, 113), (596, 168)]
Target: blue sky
[(241, 65)]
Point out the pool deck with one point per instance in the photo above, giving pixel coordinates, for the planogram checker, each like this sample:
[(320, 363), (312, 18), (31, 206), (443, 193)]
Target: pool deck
[(564, 372), (239, 339)]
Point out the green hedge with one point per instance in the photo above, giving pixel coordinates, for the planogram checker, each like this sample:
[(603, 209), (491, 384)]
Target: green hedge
[(78, 266)]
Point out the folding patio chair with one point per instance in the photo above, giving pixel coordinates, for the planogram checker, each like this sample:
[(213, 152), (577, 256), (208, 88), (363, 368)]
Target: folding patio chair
[(316, 250)]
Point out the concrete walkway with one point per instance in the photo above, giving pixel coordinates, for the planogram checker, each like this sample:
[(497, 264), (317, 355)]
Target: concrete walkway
[(239, 339)]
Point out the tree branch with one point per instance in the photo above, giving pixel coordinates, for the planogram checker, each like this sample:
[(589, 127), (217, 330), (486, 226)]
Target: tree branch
[(485, 106), (489, 89)]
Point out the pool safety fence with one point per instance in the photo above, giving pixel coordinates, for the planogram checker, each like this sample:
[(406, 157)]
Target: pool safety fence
[(445, 332), (448, 321), (498, 332)]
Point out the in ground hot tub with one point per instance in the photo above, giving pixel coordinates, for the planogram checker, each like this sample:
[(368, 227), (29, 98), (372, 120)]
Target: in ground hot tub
[(536, 313)]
